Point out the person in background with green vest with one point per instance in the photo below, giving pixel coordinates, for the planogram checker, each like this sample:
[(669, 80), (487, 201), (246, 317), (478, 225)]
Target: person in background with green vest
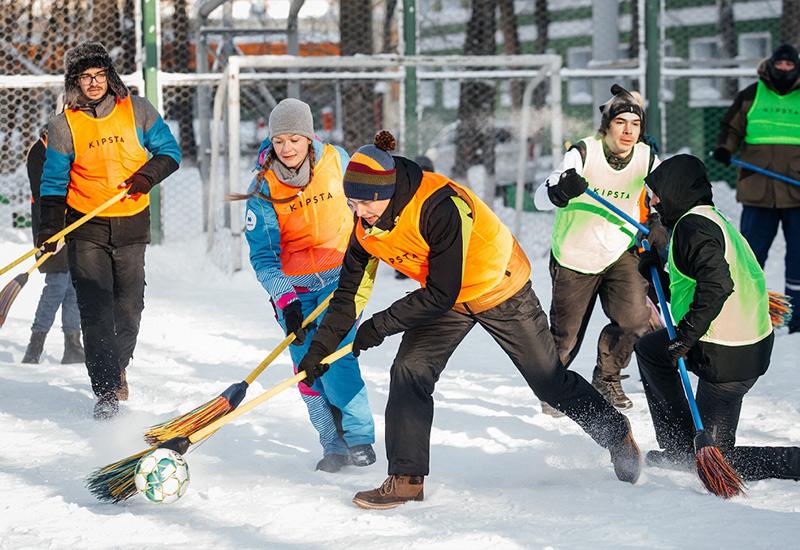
[(765, 121), (718, 299), (593, 251)]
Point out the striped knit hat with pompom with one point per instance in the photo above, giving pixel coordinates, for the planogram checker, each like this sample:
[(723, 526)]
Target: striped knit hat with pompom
[(370, 174)]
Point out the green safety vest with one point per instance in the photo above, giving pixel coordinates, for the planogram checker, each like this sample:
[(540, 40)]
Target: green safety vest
[(587, 237), (744, 318), (773, 119)]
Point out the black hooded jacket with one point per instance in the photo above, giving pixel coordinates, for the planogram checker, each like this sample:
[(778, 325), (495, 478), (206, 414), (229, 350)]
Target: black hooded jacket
[(698, 251), (440, 225)]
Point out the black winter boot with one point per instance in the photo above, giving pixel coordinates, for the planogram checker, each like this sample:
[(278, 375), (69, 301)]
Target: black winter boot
[(35, 347), (73, 349)]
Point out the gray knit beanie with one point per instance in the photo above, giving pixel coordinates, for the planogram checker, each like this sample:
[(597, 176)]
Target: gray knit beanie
[(291, 116)]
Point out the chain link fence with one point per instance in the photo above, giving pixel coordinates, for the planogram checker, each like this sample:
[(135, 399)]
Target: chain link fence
[(466, 121), (34, 34), (711, 51)]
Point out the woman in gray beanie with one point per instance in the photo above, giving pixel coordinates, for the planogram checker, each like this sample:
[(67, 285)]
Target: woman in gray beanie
[(298, 225)]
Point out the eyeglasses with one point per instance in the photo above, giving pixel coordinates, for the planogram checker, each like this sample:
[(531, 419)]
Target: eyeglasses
[(86, 78)]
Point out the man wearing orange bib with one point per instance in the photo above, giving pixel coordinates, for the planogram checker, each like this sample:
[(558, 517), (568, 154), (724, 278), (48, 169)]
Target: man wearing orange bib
[(472, 271), (104, 141)]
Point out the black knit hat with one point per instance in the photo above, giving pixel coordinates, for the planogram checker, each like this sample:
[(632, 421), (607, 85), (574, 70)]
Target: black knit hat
[(785, 52), (89, 55), (622, 101)]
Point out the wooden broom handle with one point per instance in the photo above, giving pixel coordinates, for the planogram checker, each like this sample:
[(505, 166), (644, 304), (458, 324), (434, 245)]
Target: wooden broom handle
[(253, 403)]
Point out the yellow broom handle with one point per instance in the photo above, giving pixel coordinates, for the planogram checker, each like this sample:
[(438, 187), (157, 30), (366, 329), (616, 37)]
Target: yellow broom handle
[(253, 403), (39, 262), (286, 341), (71, 227)]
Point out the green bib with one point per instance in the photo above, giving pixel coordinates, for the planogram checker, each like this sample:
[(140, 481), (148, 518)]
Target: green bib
[(744, 318), (587, 237), (773, 119)]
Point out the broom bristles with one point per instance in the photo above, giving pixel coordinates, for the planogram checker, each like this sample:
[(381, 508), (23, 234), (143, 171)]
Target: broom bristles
[(9, 294), (716, 474), (115, 482), (780, 309), (186, 424)]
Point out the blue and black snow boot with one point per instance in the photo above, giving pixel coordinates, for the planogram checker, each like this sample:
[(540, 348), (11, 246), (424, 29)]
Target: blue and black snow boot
[(332, 463), (362, 455)]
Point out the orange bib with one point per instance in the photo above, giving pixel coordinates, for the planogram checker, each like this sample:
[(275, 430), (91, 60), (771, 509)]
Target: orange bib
[(107, 152), (315, 226), (491, 252)]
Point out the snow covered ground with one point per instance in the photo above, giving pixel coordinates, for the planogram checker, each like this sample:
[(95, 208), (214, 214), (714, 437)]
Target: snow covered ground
[(503, 475)]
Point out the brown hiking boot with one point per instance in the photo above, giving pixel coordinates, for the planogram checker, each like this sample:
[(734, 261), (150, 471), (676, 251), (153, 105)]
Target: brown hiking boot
[(396, 490), (626, 457), (122, 392), (610, 387), (550, 410)]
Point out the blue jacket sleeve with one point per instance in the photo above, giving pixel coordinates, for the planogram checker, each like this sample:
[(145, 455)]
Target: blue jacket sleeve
[(264, 238), (344, 156), (55, 174), (159, 141)]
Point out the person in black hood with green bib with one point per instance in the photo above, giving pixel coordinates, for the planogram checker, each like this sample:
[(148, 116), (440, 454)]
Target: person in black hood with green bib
[(719, 301)]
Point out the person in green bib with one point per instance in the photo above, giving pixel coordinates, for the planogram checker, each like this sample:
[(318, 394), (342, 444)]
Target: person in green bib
[(719, 302), (593, 250), (764, 121)]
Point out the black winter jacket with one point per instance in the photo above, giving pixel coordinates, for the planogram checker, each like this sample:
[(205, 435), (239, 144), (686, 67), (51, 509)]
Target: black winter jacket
[(440, 225), (698, 249), (35, 165)]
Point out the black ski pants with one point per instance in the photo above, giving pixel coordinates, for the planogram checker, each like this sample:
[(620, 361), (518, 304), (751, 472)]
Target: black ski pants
[(109, 282), (719, 404), (519, 326), (623, 296)]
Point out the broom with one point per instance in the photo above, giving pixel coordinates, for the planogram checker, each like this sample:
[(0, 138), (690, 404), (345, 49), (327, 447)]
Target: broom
[(780, 309), (71, 227), (10, 291), (225, 402), (714, 471), (764, 172), (115, 482)]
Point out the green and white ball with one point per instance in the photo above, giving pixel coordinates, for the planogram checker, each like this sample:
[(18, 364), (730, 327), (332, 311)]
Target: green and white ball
[(162, 476)]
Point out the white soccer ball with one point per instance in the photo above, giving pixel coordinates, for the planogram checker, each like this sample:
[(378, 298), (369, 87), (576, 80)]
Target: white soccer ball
[(162, 476)]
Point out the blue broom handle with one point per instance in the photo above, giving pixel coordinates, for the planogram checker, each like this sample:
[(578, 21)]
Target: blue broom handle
[(687, 384), (764, 171), (617, 211)]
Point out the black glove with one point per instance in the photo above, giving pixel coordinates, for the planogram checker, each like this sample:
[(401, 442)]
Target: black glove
[(367, 336), (293, 317), (311, 364), (658, 236), (138, 185), (41, 237), (569, 186), (678, 348), (722, 155), (648, 259)]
